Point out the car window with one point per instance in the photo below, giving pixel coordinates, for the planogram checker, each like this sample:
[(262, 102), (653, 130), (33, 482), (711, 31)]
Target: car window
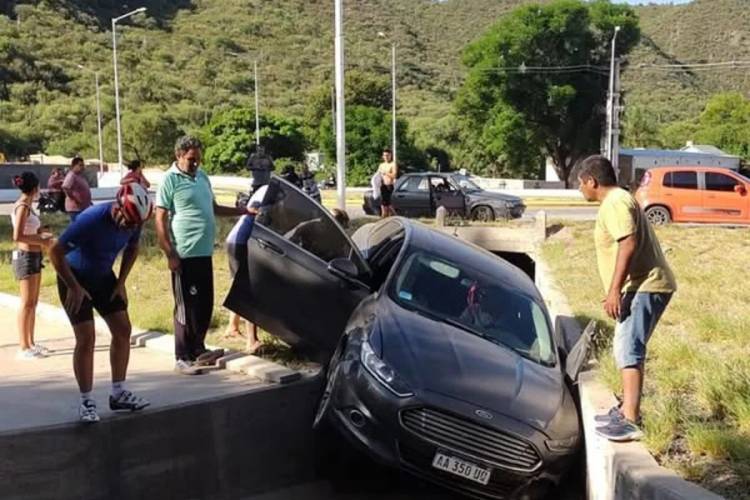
[(288, 212), (414, 184), (681, 180), (465, 298), (441, 185), (720, 182)]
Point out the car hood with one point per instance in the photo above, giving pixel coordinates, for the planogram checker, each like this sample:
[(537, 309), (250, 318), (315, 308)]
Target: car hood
[(492, 196), (434, 356)]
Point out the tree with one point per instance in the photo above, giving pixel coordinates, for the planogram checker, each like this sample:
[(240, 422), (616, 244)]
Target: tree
[(362, 89), (368, 131), (513, 113), (230, 137), (725, 123), (640, 128)]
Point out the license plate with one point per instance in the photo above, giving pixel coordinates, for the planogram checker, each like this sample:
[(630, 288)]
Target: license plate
[(461, 468)]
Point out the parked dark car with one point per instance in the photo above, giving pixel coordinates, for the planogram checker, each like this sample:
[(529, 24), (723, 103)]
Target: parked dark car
[(440, 356), (420, 194)]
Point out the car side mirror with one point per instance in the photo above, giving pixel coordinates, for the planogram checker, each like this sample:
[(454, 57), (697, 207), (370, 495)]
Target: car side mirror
[(740, 189), (343, 268)]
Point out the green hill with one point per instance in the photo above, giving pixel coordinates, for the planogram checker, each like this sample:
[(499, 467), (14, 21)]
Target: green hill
[(176, 61)]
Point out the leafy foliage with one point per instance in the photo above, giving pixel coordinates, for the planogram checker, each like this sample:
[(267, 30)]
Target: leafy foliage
[(515, 117), (230, 137)]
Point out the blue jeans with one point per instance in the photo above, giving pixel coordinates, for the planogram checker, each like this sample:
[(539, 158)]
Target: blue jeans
[(639, 314)]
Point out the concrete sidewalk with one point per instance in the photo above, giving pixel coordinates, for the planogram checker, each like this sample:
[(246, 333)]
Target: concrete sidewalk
[(41, 393)]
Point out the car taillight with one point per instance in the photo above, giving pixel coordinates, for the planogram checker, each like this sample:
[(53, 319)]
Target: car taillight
[(645, 179)]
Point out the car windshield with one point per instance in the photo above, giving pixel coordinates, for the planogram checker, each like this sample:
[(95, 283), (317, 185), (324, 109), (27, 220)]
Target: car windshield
[(466, 298), (466, 183)]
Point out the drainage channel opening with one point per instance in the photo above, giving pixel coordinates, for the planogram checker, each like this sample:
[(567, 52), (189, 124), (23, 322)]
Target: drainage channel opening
[(521, 260)]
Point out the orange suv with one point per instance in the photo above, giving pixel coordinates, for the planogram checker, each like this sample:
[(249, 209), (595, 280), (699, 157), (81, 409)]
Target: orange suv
[(694, 194)]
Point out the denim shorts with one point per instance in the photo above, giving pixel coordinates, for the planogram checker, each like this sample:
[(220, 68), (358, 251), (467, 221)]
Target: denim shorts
[(639, 314), (26, 264)]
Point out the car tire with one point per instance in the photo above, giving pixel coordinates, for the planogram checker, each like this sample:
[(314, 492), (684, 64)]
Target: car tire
[(482, 213), (658, 215), (324, 403)]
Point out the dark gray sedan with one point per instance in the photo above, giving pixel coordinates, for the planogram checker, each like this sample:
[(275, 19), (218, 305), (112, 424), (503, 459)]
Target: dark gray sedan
[(420, 194), (441, 358)]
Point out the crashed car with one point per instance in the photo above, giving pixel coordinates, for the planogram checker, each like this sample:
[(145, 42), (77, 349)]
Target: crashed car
[(420, 195), (441, 358)]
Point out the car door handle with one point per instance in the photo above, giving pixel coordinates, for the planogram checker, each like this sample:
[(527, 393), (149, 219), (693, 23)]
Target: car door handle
[(270, 247)]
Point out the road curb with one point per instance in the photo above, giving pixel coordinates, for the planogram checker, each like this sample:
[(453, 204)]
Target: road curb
[(614, 471), (252, 366)]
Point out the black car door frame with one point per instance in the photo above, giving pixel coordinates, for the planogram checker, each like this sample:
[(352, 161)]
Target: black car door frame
[(412, 202), (289, 290)]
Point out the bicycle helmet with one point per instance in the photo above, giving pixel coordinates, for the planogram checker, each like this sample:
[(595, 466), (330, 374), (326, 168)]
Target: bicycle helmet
[(135, 203)]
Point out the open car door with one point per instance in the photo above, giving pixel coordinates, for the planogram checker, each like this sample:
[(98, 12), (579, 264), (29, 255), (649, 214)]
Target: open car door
[(302, 277)]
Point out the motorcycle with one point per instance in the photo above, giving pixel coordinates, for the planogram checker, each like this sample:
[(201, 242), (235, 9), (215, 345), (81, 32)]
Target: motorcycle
[(51, 202)]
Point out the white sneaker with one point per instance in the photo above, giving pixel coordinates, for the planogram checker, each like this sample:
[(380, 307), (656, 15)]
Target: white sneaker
[(29, 355), (41, 349), (87, 412)]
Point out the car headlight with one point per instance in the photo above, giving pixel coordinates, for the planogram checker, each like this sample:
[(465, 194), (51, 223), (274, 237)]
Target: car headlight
[(382, 372)]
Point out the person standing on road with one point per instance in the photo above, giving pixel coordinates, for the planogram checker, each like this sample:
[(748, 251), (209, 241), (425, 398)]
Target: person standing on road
[(83, 257), (388, 173), (639, 285), (30, 239), (186, 229), (135, 174), (55, 187), (76, 189)]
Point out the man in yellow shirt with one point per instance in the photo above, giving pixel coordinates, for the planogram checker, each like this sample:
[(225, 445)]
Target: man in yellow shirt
[(638, 283), (388, 172)]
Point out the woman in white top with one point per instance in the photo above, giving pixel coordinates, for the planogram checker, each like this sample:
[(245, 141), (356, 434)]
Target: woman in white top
[(27, 262)]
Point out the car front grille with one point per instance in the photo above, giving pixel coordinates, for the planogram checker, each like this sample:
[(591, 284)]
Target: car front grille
[(465, 436), (418, 460)]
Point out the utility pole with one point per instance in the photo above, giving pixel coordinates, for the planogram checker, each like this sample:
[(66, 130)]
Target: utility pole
[(610, 97), (257, 116), (340, 124), (615, 130)]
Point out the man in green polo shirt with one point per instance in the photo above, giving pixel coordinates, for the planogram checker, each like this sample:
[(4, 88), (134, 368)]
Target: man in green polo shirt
[(186, 227)]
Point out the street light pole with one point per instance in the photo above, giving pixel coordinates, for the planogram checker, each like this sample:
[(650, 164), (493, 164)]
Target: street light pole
[(610, 97), (98, 115), (257, 117), (117, 82), (340, 125), (393, 96)]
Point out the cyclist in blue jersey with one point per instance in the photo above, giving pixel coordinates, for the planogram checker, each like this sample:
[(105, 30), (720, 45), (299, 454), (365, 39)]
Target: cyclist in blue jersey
[(83, 257)]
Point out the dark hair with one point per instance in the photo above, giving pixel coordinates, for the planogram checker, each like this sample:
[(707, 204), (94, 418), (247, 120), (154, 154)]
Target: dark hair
[(599, 168), (75, 161), (134, 165), (341, 217), (186, 143), (26, 182), (387, 150)]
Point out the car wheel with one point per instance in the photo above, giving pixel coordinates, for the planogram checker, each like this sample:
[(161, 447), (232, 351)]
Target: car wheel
[(483, 213), (658, 216), (325, 399)]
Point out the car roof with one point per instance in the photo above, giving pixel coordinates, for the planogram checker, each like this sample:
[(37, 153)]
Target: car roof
[(666, 168), (424, 174), (422, 237)]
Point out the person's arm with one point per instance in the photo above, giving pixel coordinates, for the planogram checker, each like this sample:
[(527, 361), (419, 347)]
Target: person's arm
[(162, 234), (129, 256), (43, 239), (224, 211), (76, 293), (622, 227), (144, 181)]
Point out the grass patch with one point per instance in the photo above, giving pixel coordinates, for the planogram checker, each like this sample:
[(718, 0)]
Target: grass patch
[(697, 394)]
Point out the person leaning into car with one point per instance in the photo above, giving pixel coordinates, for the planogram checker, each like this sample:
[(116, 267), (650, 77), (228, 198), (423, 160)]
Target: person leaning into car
[(639, 285)]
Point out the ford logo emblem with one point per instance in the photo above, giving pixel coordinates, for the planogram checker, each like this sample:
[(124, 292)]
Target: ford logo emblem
[(483, 414)]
